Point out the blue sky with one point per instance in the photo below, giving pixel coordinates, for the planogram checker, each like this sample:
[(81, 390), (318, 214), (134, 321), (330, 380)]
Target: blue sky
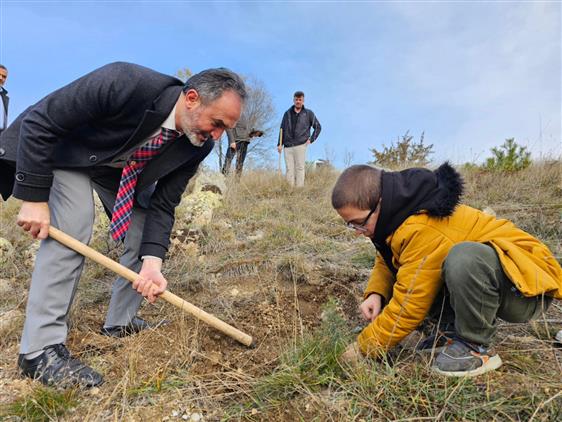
[(467, 74)]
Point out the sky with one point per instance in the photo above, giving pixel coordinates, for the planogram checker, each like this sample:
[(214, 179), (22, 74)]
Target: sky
[(466, 74)]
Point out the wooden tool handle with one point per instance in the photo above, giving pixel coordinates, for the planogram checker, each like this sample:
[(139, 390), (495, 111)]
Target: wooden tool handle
[(281, 145), (169, 297)]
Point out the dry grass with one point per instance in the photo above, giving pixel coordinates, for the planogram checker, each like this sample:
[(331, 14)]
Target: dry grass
[(278, 264), (531, 198)]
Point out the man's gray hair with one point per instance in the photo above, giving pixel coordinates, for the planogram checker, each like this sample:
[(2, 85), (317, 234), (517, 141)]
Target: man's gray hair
[(210, 84), (3, 67)]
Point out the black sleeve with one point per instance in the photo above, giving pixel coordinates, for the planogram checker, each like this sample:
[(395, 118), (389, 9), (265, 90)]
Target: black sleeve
[(94, 96), (161, 212), (316, 127)]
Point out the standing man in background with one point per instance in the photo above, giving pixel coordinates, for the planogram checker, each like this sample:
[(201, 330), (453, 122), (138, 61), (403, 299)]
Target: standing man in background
[(295, 136), (5, 98), (238, 140)]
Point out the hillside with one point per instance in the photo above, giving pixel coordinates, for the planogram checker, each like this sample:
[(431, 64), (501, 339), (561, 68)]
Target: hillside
[(280, 265)]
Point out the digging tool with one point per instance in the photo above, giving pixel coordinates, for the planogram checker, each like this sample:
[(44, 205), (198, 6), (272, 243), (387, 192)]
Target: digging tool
[(280, 144), (169, 297)]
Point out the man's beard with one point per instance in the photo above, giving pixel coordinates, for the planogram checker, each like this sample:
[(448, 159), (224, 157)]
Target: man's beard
[(190, 133), (193, 138)]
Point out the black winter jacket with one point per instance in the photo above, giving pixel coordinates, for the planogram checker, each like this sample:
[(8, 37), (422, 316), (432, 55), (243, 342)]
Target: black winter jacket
[(296, 127)]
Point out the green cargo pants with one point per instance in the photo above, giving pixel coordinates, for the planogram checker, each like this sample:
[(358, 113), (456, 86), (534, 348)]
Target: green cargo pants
[(478, 292)]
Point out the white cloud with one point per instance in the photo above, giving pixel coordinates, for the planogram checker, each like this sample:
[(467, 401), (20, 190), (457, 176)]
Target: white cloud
[(499, 64)]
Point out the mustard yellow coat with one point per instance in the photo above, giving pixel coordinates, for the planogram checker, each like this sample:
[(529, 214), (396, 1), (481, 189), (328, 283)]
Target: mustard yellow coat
[(419, 247)]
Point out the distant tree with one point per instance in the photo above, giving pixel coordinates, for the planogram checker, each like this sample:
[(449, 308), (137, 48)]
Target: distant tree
[(184, 74), (347, 158), (260, 114), (329, 153), (405, 153), (508, 157)]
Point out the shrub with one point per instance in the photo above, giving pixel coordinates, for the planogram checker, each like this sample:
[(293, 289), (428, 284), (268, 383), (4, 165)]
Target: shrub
[(406, 153), (508, 157)]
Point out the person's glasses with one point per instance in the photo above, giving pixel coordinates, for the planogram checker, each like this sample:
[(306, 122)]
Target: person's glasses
[(361, 227)]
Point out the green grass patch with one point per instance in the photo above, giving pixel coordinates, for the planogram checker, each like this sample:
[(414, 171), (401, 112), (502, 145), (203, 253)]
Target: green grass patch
[(44, 404), (382, 390), (310, 366), (157, 385), (364, 258)]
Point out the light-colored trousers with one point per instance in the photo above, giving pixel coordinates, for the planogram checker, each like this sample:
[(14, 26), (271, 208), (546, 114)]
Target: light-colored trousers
[(295, 158), (58, 268)]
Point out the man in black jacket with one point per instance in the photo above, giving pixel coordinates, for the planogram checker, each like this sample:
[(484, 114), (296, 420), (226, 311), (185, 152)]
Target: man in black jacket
[(117, 130), (294, 135), (4, 98)]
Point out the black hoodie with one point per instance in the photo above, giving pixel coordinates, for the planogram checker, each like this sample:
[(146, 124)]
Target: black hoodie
[(412, 191)]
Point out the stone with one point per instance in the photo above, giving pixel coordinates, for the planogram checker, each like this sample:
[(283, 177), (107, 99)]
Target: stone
[(5, 245), (489, 211), (6, 251), (30, 253), (357, 329), (195, 417), (6, 288), (210, 181), (256, 236), (197, 208)]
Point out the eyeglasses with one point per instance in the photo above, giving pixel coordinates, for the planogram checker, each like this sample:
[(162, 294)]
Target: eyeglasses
[(361, 227)]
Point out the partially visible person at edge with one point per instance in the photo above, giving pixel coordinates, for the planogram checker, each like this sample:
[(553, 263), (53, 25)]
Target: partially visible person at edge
[(295, 137), (238, 141), (437, 258), (5, 98), (117, 130)]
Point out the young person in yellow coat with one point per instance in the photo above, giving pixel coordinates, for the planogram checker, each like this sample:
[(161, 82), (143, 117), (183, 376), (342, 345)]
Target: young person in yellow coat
[(441, 259)]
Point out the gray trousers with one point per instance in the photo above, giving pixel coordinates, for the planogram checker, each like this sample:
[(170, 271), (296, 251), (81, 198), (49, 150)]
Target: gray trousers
[(58, 268), (295, 158), (478, 292)]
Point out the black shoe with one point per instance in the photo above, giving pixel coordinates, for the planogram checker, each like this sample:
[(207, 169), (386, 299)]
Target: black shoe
[(55, 366), (137, 324)]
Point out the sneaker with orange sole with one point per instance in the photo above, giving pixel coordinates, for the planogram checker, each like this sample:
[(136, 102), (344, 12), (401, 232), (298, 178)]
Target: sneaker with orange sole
[(460, 358)]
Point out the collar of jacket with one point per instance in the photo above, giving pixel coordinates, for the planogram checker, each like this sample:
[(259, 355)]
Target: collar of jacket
[(3, 91), (412, 191), (151, 120), (166, 101), (292, 108)]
